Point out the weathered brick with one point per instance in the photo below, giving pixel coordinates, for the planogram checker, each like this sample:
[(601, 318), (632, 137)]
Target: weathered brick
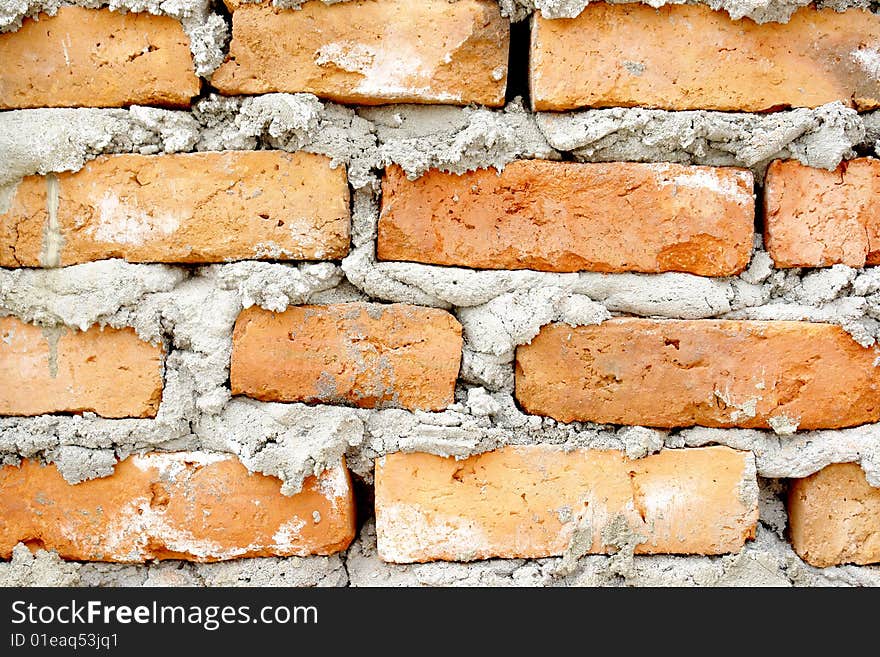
[(107, 371), (96, 58), (717, 373), (184, 505), (370, 52), (366, 354), (563, 217), (540, 501), (834, 516), (817, 218), (192, 207), (690, 57)]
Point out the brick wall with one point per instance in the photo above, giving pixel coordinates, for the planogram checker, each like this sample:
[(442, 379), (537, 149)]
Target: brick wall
[(439, 293)]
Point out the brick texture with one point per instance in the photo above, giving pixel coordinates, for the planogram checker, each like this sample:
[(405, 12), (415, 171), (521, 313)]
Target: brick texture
[(834, 517), (96, 58), (690, 57), (194, 207), (191, 506), (365, 354), (110, 372), (370, 51), (536, 501), (716, 373), (817, 218), (564, 217)]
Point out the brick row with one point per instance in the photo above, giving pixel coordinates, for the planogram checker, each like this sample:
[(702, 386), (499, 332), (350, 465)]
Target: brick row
[(622, 216), (434, 51)]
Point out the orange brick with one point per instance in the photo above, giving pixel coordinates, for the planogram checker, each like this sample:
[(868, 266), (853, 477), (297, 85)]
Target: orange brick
[(370, 51), (715, 373), (817, 218), (682, 57), (192, 207), (96, 58), (366, 354), (192, 506), (834, 517), (107, 371), (530, 502), (564, 217)]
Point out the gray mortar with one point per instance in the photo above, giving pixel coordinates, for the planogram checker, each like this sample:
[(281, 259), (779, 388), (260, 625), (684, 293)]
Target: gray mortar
[(192, 311), (820, 137), (208, 32)]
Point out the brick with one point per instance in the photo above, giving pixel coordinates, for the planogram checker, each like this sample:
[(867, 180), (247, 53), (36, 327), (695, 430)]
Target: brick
[(110, 372), (565, 217), (834, 517), (817, 218), (534, 501), (191, 207), (194, 506), (716, 373), (97, 58), (370, 52), (690, 57), (366, 354)]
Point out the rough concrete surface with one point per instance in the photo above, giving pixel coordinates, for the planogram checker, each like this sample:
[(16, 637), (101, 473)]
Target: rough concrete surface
[(192, 311)]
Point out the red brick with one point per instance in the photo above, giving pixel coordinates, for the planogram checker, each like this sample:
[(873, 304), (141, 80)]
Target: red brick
[(564, 217), (527, 502), (97, 58), (191, 506), (834, 517), (682, 57), (370, 51), (716, 373), (365, 354), (816, 218), (107, 371)]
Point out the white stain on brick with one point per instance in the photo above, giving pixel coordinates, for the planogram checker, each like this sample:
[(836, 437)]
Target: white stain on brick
[(406, 532), (7, 195), (738, 188), (288, 534), (124, 222), (172, 463), (868, 59), (388, 72)]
